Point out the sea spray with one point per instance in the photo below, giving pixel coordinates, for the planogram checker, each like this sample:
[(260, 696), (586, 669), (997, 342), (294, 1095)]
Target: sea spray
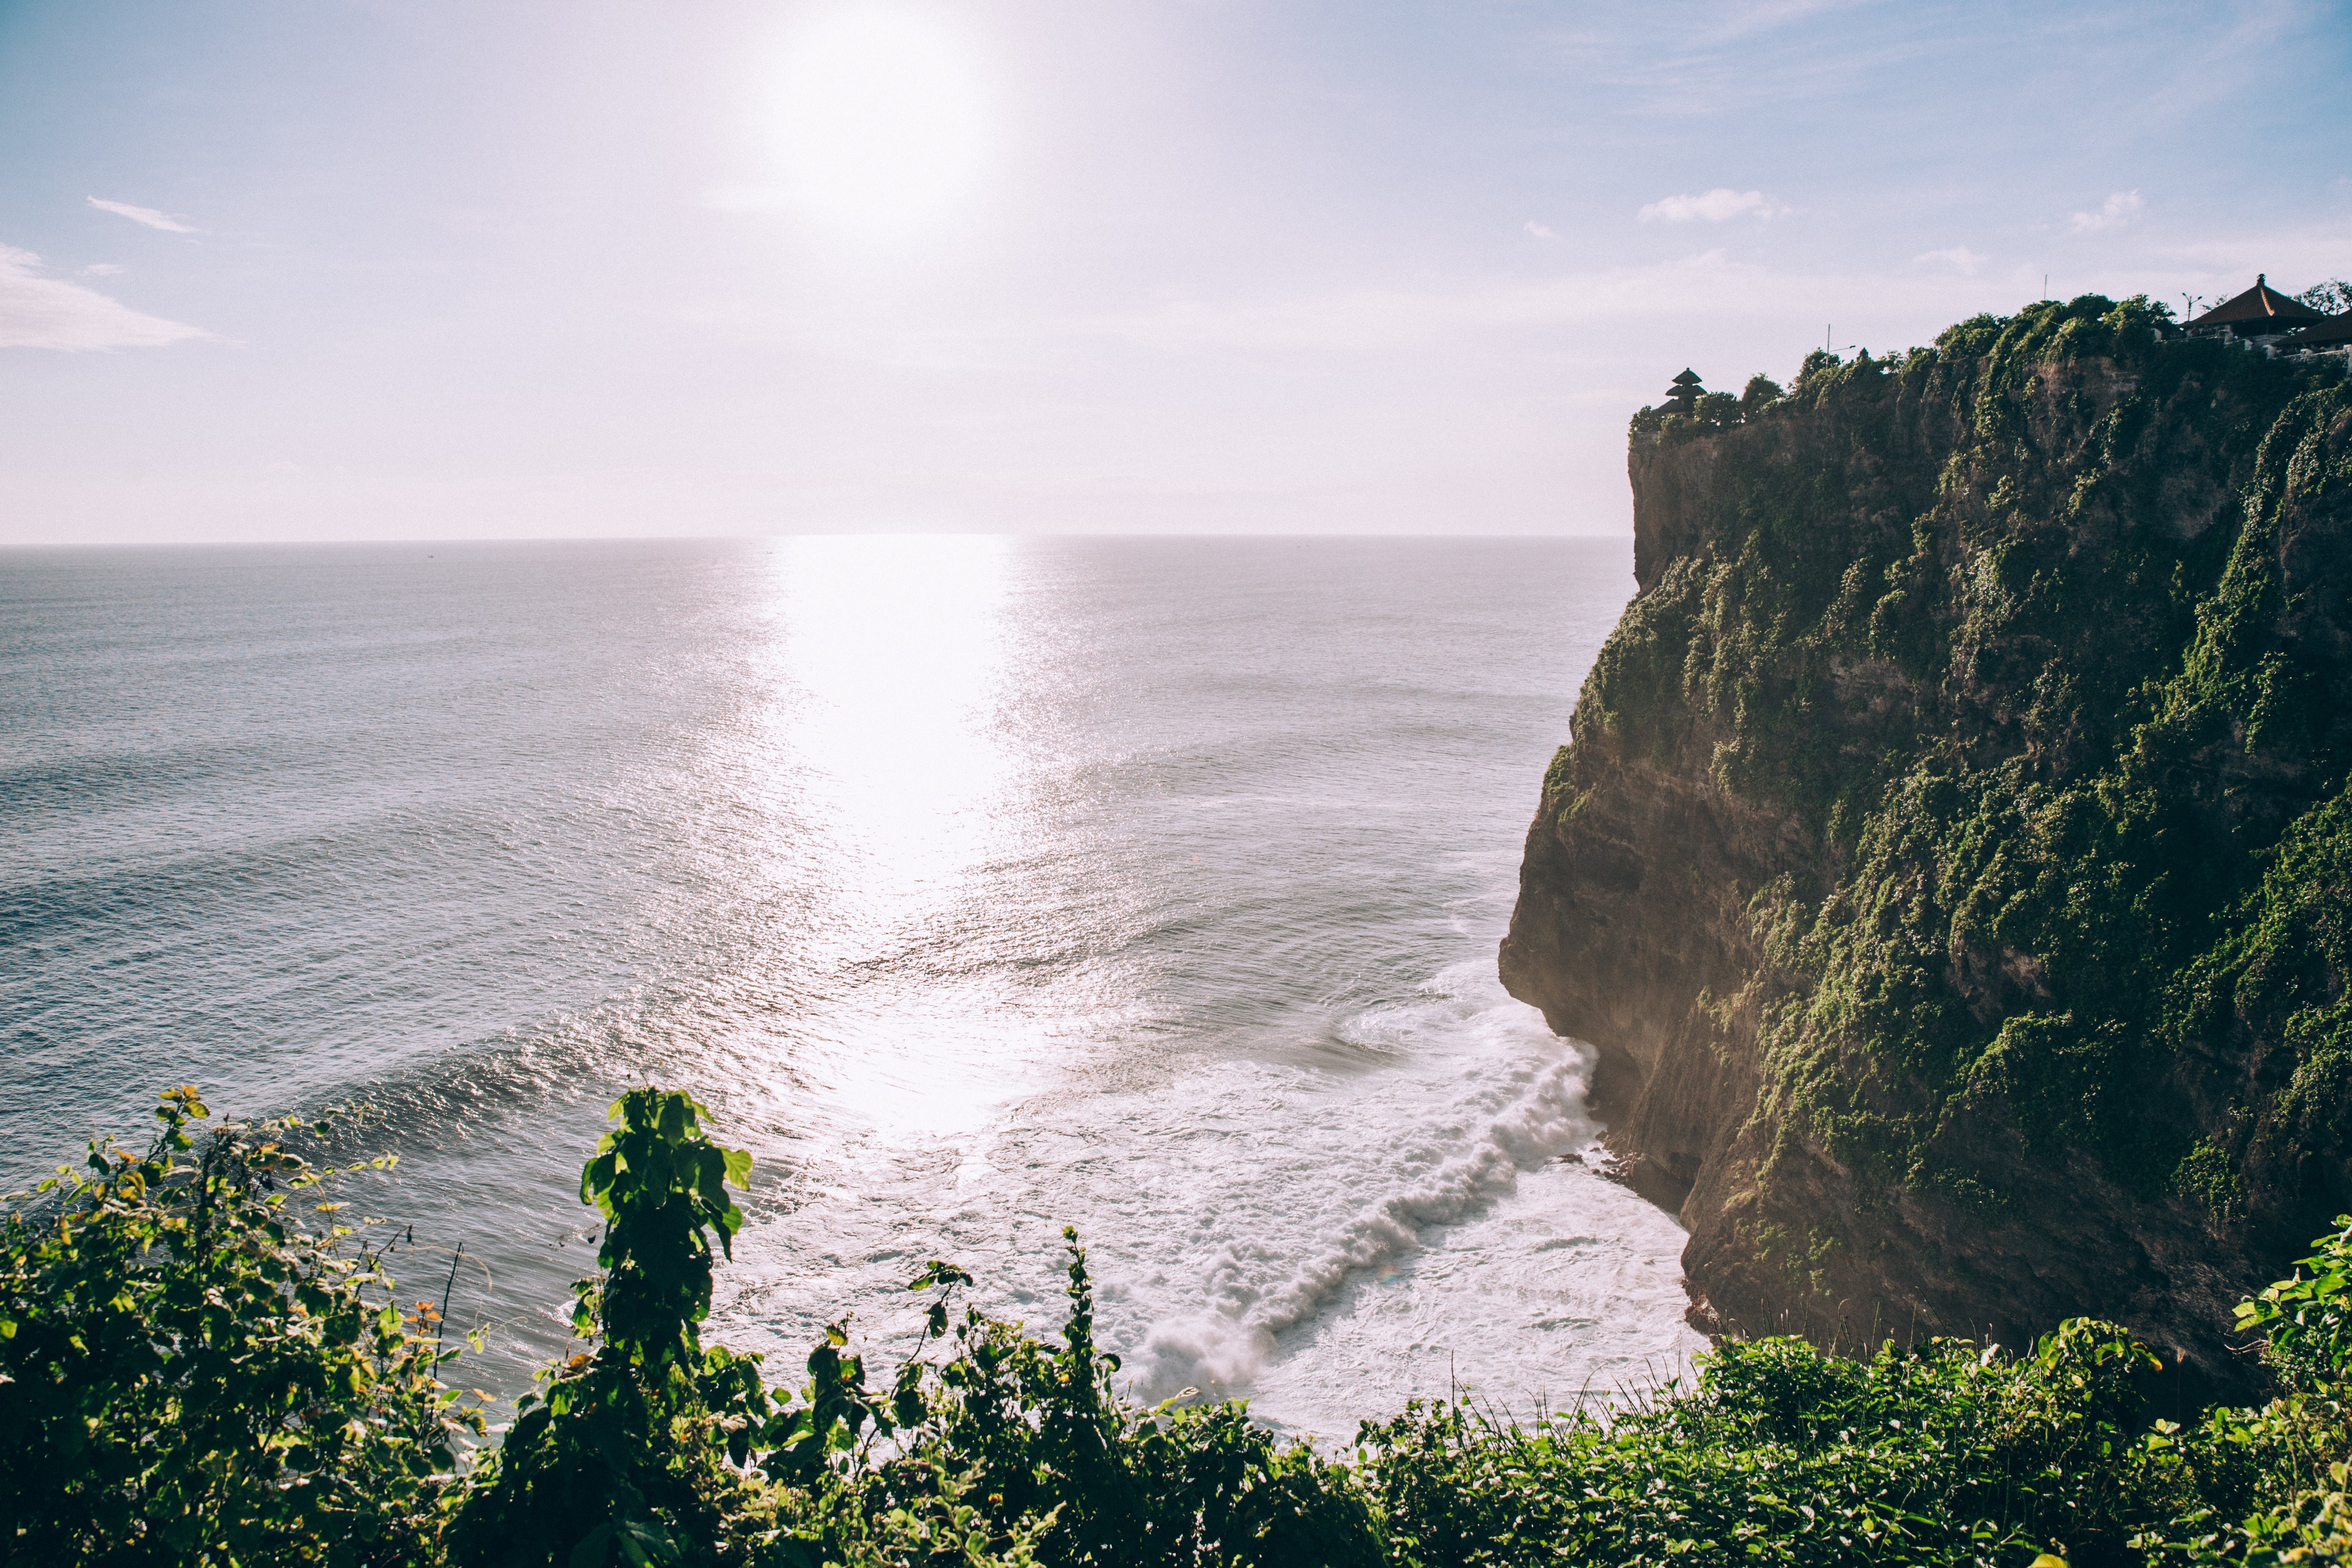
[(1511, 1116)]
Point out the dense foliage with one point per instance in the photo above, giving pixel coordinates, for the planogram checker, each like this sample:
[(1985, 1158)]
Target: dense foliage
[(2043, 635), (188, 1376)]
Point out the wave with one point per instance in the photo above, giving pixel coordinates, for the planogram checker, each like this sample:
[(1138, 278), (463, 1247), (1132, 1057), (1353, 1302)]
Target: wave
[(1531, 1109)]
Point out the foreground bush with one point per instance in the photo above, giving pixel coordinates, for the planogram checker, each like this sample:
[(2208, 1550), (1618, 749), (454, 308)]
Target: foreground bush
[(189, 1376)]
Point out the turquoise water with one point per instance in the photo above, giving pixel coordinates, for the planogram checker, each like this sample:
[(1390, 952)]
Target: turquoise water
[(980, 886)]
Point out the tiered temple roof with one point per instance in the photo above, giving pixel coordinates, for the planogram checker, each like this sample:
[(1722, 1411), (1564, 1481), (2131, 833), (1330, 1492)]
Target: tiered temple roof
[(1682, 397), (2260, 312)]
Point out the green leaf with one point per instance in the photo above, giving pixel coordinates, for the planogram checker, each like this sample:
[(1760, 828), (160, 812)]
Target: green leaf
[(596, 1177), (593, 1548)]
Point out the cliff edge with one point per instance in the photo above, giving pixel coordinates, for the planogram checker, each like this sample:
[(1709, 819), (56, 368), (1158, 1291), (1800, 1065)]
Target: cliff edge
[(1952, 859)]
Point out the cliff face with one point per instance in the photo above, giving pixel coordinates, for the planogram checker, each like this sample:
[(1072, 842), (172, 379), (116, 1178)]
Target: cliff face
[(1952, 861)]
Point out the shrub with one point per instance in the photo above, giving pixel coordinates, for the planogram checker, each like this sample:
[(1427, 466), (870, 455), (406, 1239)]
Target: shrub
[(188, 1375), (624, 1450), (190, 1378), (2307, 1319)]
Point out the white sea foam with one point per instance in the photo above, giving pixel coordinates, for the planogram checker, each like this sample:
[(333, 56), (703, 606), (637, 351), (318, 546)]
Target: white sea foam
[(1328, 1231), (1310, 1237), (1452, 1164)]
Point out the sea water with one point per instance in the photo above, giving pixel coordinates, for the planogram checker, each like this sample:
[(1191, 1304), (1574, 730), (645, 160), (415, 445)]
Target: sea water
[(979, 886)]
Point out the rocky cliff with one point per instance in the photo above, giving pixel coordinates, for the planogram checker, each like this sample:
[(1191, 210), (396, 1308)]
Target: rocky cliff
[(1952, 861)]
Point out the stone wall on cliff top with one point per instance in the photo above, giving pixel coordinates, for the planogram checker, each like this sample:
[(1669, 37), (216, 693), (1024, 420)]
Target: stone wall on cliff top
[(1952, 859)]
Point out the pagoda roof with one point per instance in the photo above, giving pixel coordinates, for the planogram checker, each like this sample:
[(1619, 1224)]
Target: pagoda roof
[(2328, 333), (2259, 303), (1689, 377)]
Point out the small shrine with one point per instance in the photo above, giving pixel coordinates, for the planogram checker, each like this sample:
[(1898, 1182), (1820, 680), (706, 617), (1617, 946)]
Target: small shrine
[(1683, 396)]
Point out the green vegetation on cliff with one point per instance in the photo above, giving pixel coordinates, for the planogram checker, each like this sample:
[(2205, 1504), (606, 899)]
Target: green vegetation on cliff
[(189, 1375), (2039, 641)]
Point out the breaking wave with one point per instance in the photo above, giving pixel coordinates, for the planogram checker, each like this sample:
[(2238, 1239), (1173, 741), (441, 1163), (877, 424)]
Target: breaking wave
[(1504, 1097)]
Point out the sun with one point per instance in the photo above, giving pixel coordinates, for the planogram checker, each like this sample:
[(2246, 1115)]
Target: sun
[(880, 120)]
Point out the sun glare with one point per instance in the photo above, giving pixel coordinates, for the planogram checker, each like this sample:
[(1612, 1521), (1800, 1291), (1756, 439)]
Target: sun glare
[(880, 118)]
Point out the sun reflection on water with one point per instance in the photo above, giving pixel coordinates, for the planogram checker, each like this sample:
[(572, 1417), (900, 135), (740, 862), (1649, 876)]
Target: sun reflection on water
[(894, 649), (892, 654)]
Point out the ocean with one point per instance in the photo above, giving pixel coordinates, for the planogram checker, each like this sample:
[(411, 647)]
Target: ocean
[(979, 886)]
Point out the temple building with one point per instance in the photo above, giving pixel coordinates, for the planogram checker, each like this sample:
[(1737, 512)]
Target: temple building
[(2328, 335), (2261, 315), (1683, 396)]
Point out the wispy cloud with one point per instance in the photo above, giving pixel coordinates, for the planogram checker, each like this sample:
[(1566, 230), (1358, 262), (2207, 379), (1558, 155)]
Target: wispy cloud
[(147, 216), (1968, 262), (37, 313), (1709, 295), (100, 270), (2224, 259), (1710, 289), (2113, 212), (1717, 205), (1537, 231)]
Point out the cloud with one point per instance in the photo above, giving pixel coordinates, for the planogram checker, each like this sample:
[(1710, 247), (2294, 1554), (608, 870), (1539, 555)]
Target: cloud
[(147, 216), (1967, 261), (1715, 206), (1709, 293), (1537, 231), (2113, 212), (37, 313), (100, 270), (2229, 260)]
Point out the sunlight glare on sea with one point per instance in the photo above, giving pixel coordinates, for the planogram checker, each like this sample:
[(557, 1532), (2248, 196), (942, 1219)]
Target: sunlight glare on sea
[(892, 658)]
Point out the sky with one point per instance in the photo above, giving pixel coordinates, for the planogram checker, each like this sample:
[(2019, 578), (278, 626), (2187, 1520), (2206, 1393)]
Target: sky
[(345, 270)]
